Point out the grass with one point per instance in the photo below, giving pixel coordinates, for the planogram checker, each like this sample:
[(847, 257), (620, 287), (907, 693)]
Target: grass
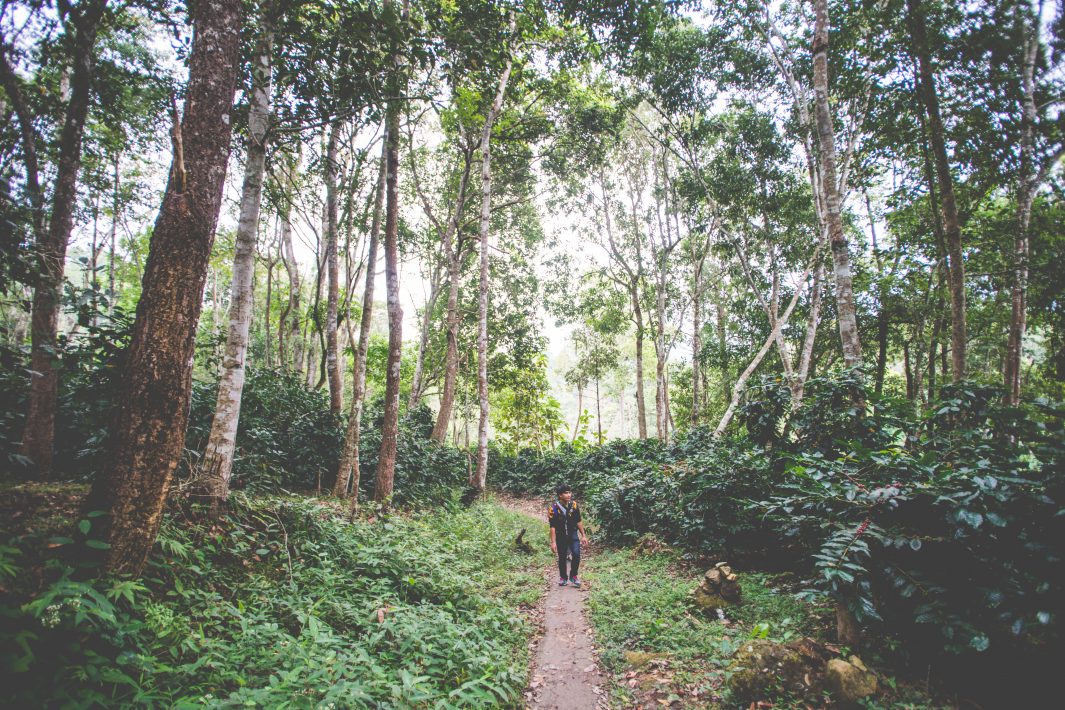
[(658, 646), (282, 604)]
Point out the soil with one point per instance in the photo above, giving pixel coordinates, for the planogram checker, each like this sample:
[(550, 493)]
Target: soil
[(565, 672)]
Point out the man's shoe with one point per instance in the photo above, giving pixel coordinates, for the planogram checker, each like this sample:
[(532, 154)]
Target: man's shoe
[(562, 582), (576, 581)]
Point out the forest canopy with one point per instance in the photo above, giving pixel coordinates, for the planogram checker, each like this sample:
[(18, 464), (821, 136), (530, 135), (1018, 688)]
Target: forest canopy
[(773, 280)]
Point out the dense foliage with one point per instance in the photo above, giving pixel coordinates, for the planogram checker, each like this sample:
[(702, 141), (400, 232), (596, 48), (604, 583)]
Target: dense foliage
[(946, 527), (281, 603)]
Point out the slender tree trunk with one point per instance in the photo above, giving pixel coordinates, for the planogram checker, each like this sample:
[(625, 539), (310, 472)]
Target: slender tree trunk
[(641, 400), (722, 344), (332, 356), (386, 460), (848, 321), (948, 205), (217, 466), (580, 409), (798, 388), (116, 207), (1026, 187), (149, 429), (741, 381), (481, 471), (349, 454), (697, 335), (292, 267), (38, 436), (451, 355), (598, 411), (418, 381)]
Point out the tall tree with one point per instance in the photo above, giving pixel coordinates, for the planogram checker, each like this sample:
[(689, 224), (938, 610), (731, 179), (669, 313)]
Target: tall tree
[(148, 434), (332, 260), (81, 26), (948, 206), (845, 308), (217, 464), (348, 470), (386, 460), (480, 473)]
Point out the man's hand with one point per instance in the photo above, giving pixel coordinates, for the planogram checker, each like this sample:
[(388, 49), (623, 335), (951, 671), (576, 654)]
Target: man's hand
[(584, 539), (554, 547)]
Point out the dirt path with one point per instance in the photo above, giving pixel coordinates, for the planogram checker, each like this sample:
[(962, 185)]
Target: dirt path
[(565, 673)]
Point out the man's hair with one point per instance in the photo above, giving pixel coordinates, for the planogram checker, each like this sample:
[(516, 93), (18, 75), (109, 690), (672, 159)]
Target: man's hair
[(562, 488)]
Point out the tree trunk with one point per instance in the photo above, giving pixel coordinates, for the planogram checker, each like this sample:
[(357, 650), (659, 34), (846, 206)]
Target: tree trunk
[(38, 436), (1026, 187), (848, 321), (598, 412), (451, 355), (149, 428), (418, 380), (948, 205), (697, 327), (580, 408), (722, 344), (641, 400), (217, 465), (480, 474), (116, 207), (386, 460), (349, 454), (332, 355), (798, 388), (741, 381), (292, 267)]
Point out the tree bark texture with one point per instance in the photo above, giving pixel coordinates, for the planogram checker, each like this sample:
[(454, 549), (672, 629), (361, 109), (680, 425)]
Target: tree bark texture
[(38, 437), (332, 355), (217, 465), (848, 321), (152, 411), (947, 202), (386, 461), (349, 453)]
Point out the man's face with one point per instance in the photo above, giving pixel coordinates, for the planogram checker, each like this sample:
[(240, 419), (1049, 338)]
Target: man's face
[(566, 497)]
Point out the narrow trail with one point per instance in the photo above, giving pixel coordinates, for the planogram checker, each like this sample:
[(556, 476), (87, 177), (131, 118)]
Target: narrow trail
[(565, 672)]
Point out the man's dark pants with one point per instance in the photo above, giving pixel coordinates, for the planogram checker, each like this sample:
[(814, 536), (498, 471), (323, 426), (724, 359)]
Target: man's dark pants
[(572, 549)]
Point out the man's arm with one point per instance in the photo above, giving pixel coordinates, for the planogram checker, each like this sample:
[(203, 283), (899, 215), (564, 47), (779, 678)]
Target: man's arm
[(580, 528), (554, 545)]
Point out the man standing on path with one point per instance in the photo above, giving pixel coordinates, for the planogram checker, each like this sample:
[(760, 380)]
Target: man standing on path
[(567, 534)]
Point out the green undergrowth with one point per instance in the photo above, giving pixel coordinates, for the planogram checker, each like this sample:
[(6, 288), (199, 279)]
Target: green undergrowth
[(281, 604), (639, 602), (661, 650)]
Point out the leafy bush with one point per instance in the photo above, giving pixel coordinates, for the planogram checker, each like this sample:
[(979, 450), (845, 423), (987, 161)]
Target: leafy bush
[(946, 528), (282, 603), (287, 437), (952, 528)]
